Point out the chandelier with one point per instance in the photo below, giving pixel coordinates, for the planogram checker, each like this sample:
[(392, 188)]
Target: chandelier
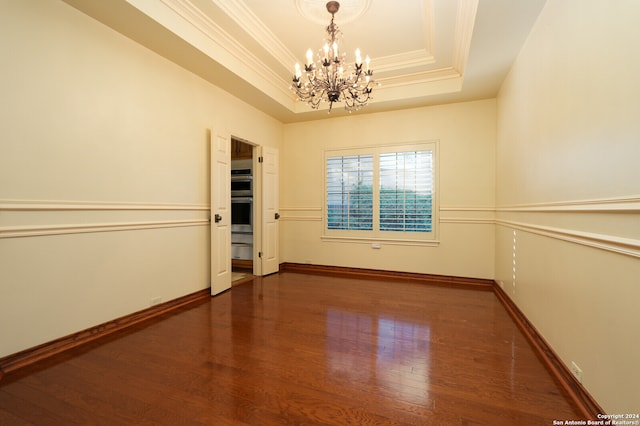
[(329, 78)]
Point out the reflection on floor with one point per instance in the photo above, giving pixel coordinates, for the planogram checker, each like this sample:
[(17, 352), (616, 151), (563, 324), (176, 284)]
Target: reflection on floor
[(236, 276), (241, 276), (241, 271)]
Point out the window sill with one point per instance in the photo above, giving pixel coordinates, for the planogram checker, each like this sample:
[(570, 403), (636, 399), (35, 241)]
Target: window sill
[(388, 241)]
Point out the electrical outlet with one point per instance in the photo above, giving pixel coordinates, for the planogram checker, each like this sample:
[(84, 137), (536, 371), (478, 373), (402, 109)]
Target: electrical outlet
[(576, 371), (376, 246)]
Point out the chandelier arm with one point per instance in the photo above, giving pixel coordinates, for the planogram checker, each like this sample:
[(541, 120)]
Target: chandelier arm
[(317, 100)]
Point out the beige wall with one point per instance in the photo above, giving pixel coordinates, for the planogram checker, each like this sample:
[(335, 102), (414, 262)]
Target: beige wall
[(104, 173), (466, 138), (568, 191)]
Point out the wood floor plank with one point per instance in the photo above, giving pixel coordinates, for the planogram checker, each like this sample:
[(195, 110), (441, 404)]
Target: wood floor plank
[(293, 348), (10, 418)]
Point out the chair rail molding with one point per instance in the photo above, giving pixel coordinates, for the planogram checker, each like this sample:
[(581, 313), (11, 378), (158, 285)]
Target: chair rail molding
[(53, 205), (58, 217), (301, 214), (619, 245), (629, 204), (83, 228)]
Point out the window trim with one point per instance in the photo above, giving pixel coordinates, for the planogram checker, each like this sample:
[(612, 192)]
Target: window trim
[(375, 235)]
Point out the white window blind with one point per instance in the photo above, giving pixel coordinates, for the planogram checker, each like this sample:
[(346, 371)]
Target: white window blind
[(406, 191), (350, 192)]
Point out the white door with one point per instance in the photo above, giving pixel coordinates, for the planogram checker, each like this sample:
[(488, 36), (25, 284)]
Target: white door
[(220, 214), (270, 258)]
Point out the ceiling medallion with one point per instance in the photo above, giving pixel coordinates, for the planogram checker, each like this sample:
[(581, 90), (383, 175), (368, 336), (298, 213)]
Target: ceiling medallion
[(329, 78), (315, 11)]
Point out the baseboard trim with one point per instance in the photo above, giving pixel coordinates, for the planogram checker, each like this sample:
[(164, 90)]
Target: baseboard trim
[(475, 283), (38, 353), (588, 406)]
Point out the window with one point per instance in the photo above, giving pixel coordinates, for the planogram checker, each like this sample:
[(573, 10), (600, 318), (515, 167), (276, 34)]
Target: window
[(381, 193), (350, 192), (406, 191)]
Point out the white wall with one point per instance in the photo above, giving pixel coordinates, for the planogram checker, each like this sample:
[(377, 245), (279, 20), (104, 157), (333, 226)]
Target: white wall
[(104, 173), (568, 184), (466, 135)]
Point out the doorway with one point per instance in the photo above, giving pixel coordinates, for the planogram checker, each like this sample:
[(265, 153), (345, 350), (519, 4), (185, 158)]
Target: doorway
[(259, 223), (243, 212)]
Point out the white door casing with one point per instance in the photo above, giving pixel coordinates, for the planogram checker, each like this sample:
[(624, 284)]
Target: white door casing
[(220, 214)]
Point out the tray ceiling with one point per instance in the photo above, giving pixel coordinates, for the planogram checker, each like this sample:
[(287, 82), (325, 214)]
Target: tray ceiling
[(423, 52)]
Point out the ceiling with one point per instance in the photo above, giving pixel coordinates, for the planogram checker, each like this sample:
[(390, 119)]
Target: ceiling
[(423, 52)]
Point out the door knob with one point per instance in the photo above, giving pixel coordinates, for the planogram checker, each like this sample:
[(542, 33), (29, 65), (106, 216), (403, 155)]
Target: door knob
[(217, 218)]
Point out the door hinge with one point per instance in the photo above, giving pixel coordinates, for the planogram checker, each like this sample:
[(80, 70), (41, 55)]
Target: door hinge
[(260, 159)]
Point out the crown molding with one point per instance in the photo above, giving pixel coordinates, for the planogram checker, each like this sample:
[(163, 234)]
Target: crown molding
[(243, 16), (419, 78), (190, 13), (415, 58), (428, 19), (255, 69), (465, 22)]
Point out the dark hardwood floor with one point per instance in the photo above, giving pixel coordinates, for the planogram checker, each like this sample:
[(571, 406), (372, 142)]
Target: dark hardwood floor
[(301, 349)]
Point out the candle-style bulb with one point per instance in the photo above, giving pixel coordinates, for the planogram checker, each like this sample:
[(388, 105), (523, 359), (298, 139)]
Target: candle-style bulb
[(358, 57), (367, 61), (298, 72), (309, 57)]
